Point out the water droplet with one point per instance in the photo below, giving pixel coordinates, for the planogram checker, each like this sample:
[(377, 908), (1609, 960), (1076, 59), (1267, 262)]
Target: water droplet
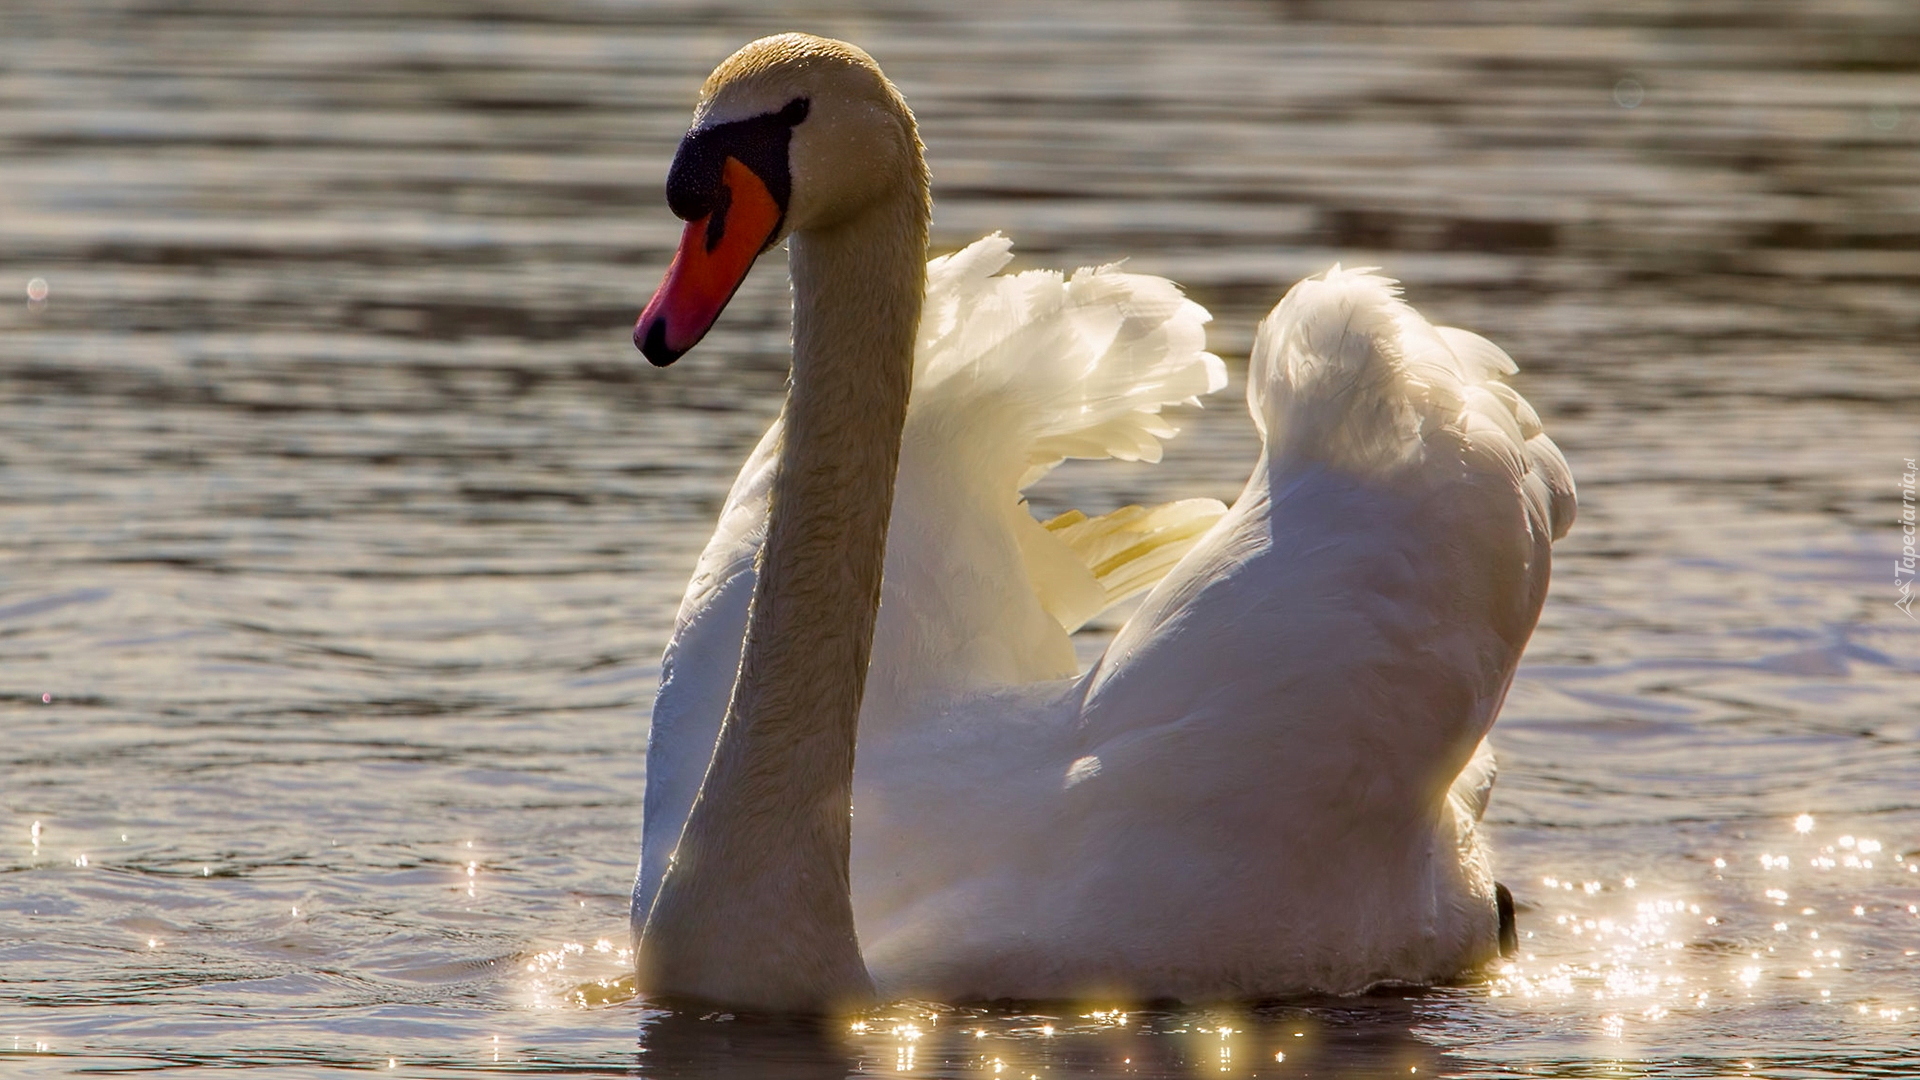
[(1628, 93), (37, 290)]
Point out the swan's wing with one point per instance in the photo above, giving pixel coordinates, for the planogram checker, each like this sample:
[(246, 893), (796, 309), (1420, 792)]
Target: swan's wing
[(1345, 373), (1130, 549), (1447, 490), (1072, 366), (1014, 373), (697, 671), (1313, 678)]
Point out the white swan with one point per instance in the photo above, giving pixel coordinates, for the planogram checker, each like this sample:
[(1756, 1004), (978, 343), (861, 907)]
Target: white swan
[(1270, 782)]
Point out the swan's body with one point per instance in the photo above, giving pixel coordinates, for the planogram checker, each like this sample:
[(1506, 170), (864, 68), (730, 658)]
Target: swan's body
[(1270, 783)]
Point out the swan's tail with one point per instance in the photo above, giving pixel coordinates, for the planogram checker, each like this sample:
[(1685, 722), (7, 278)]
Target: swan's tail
[(1346, 372)]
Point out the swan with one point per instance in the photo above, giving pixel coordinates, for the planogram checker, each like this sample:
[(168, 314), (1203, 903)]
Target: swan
[(1271, 781)]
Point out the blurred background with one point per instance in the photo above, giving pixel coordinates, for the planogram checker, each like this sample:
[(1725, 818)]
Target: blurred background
[(343, 526)]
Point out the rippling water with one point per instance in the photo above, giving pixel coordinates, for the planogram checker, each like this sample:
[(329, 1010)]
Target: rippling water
[(344, 527)]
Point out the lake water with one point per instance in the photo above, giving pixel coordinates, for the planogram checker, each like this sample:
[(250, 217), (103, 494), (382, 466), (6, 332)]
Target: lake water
[(344, 526)]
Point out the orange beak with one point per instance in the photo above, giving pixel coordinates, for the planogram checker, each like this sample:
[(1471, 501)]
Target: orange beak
[(716, 252)]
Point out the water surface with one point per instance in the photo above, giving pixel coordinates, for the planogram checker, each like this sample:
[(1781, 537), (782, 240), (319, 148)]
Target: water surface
[(344, 527)]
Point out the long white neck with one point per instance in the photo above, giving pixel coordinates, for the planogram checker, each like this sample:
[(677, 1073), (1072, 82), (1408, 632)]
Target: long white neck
[(755, 911)]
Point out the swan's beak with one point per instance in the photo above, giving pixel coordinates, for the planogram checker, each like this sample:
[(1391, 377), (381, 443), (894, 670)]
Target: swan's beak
[(716, 251)]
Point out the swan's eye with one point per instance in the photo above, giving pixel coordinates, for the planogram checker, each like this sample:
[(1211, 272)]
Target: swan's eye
[(694, 185)]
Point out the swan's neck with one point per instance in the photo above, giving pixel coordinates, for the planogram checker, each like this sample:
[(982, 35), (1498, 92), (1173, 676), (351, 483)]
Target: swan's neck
[(755, 910)]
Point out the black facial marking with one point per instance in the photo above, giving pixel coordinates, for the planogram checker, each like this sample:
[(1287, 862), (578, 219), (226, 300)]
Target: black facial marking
[(794, 111), (759, 142)]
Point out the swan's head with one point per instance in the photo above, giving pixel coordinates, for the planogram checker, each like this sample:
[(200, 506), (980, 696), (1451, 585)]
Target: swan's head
[(793, 133)]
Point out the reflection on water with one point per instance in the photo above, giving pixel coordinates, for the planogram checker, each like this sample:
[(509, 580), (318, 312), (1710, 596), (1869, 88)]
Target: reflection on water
[(344, 527)]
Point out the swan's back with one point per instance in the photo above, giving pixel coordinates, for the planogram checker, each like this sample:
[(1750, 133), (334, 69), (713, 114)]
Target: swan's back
[(1256, 798)]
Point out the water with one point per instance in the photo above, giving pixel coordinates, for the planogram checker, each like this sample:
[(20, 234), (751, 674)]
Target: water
[(344, 526)]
